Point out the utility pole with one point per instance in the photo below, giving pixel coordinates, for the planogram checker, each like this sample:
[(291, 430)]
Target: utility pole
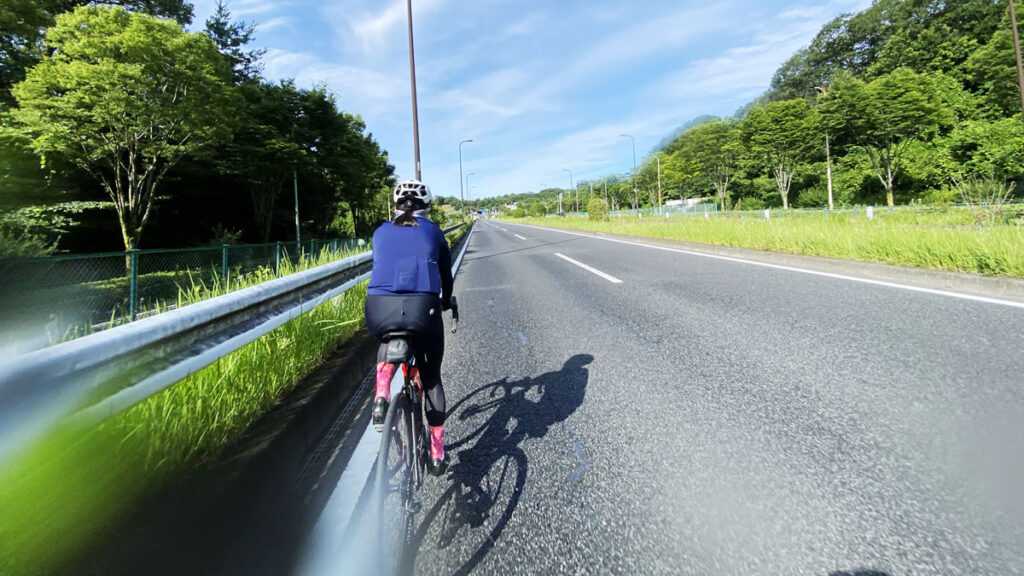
[(570, 181), (636, 192), (415, 114), (658, 158), (1016, 49), (828, 168)]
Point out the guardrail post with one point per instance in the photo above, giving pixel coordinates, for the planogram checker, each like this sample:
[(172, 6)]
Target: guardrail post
[(277, 261), (224, 266), (133, 283)]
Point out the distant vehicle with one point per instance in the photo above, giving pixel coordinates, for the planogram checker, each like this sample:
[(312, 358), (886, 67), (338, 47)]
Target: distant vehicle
[(562, 214)]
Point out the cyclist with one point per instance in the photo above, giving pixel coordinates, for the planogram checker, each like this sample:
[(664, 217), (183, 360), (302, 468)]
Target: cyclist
[(410, 285)]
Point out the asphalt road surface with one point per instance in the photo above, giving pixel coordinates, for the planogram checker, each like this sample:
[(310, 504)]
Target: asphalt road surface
[(620, 409)]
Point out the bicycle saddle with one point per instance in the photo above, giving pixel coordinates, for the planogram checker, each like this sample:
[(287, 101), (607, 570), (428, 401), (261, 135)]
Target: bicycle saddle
[(399, 350)]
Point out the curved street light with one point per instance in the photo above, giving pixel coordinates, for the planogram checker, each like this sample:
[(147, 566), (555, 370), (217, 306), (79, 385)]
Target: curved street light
[(462, 194)]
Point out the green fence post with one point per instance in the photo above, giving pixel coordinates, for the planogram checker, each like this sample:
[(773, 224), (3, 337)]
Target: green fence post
[(133, 283), (277, 261), (224, 266), (312, 249)]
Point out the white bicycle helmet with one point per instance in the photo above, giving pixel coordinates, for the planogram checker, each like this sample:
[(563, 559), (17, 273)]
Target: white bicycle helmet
[(412, 189)]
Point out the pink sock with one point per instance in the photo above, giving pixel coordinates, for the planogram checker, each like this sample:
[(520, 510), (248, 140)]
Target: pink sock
[(385, 372), (437, 442)]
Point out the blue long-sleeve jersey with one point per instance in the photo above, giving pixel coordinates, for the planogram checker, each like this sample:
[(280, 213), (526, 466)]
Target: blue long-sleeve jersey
[(411, 260)]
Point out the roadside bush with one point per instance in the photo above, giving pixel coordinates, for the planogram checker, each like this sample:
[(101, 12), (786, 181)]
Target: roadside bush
[(518, 213), (597, 209), (749, 203), (538, 209)]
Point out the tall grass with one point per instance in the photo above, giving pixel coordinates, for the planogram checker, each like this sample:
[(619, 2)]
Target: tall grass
[(946, 240), (69, 490)]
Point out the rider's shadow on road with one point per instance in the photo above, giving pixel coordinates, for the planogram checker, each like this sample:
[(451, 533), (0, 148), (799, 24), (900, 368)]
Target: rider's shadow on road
[(489, 472)]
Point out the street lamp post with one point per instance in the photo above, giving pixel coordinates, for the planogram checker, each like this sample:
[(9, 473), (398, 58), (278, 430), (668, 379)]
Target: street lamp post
[(570, 180), (462, 194), (636, 194), (415, 116), (467, 181), (828, 157)]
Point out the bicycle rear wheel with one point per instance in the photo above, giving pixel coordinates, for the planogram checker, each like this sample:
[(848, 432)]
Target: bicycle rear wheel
[(395, 485)]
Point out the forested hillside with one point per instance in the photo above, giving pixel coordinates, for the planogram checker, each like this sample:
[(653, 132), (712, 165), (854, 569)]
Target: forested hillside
[(121, 129), (915, 99)]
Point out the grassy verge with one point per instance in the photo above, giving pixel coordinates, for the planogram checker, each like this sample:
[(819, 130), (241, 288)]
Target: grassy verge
[(944, 241), (67, 492)]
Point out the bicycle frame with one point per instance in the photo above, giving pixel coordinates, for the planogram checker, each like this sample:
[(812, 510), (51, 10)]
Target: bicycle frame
[(414, 393)]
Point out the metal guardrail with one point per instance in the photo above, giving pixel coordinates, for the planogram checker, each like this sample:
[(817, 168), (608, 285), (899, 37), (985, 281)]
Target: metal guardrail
[(97, 376)]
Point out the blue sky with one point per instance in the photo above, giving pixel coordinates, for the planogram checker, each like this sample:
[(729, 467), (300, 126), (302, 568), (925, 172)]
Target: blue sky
[(540, 86)]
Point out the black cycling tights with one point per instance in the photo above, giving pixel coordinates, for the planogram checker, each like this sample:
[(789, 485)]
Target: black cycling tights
[(419, 314)]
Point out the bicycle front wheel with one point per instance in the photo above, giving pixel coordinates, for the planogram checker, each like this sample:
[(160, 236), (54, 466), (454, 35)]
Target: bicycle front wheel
[(395, 485)]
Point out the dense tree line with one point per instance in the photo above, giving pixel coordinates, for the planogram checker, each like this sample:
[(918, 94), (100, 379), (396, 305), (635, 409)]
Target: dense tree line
[(120, 129), (900, 102)]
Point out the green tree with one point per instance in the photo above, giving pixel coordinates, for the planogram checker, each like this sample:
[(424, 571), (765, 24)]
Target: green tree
[(985, 149), (991, 70), (538, 209), (713, 150), (781, 134), (231, 39), (884, 117), (22, 25), (124, 96), (264, 152)]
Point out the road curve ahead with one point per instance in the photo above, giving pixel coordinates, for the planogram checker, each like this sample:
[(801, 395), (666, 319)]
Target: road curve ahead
[(618, 409)]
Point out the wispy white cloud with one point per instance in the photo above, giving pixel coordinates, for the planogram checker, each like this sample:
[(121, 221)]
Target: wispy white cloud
[(272, 24), (523, 27), (359, 89), (741, 73), (248, 8), (372, 29)]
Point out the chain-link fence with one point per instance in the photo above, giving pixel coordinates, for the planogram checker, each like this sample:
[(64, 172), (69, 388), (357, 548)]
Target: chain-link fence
[(53, 298)]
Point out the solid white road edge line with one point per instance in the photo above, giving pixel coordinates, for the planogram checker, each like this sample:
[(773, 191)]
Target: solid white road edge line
[(359, 469), (607, 277), (960, 295)]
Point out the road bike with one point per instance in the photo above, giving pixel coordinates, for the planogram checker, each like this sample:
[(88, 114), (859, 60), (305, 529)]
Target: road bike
[(403, 455)]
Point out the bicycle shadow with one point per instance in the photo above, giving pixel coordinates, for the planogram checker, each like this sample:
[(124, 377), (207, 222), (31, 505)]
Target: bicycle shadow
[(489, 471)]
